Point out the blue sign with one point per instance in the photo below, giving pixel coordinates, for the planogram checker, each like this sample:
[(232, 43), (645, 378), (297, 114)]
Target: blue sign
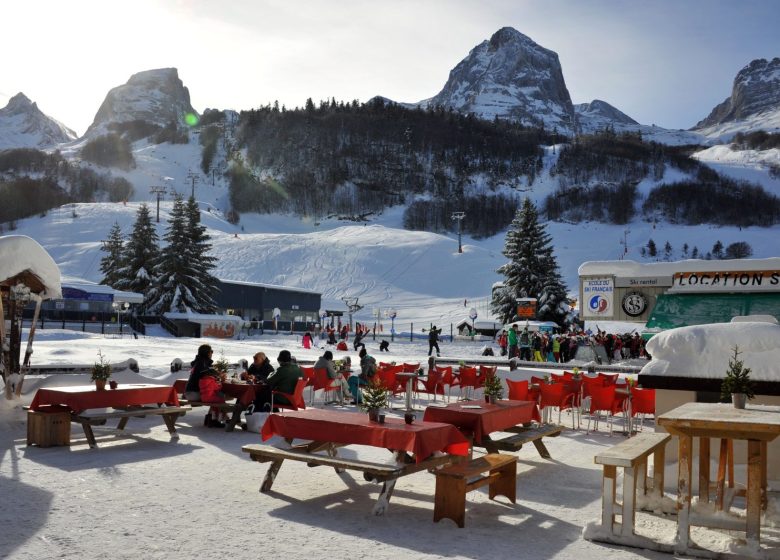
[(75, 293)]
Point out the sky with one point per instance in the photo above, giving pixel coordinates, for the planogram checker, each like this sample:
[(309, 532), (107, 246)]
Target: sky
[(663, 62)]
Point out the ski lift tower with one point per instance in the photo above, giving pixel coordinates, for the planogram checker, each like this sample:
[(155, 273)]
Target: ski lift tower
[(352, 307), (459, 216)]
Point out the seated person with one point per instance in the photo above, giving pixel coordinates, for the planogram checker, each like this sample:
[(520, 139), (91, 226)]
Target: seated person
[(367, 371), (260, 369), (326, 362), (210, 385), (283, 380), (200, 365)]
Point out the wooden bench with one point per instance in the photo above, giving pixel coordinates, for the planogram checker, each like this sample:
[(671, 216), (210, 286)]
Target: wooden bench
[(233, 408), (452, 484), (523, 435), (90, 418), (631, 455), (309, 453)]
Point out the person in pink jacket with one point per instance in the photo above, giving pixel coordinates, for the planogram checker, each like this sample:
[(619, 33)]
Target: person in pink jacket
[(210, 385)]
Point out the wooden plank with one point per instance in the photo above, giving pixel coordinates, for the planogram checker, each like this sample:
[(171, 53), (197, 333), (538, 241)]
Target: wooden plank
[(704, 470), (630, 452), (754, 477), (629, 501), (721, 481), (477, 466), (130, 413), (274, 453), (532, 433), (684, 493), (608, 498), (659, 463)]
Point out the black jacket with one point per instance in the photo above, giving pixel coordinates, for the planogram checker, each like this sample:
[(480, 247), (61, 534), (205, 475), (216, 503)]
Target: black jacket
[(200, 366), (262, 371)]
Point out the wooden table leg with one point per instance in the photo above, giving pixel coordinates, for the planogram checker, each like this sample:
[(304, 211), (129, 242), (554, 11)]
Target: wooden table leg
[(659, 460), (684, 493), (629, 498), (170, 423), (89, 433), (754, 479), (764, 498), (489, 444), (608, 498), (541, 448), (721, 486), (270, 476), (704, 470), (122, 423)]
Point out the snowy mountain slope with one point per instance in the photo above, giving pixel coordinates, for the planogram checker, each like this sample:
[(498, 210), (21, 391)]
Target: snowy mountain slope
[(24, 125), (420, 274), (749, 165)]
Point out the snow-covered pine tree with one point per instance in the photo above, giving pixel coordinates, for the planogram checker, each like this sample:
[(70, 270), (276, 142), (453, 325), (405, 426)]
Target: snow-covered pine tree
[(203, 262), (142, 253), (532, 270), (113, 261), (179, 282)]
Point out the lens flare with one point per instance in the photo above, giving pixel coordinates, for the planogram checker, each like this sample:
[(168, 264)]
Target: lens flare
[(191, 119)]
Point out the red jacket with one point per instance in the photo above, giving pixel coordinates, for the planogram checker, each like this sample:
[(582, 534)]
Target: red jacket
[(209, 390)]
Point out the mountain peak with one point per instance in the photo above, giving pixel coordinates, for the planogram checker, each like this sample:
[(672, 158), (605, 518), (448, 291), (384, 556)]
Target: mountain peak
[(756, 90), (156, 96), (510, 77), (24, 125)]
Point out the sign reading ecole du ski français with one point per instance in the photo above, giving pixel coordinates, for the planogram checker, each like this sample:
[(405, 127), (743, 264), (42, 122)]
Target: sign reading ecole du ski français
[(727, 281), (597, 297)]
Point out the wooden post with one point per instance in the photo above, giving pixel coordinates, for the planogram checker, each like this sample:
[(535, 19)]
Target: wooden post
[(704, 470), (659, 460), (684, 493), (754, 477), (721, 487), (608, 498), (30, 338), (629, 497)]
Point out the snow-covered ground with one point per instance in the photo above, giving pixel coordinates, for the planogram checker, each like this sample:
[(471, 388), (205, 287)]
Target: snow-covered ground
[(141, 495)]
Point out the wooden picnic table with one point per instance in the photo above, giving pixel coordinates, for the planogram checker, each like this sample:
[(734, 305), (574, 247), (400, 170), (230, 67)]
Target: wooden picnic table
[(87, 406), (756, 425), (479, 419), (418, 446)]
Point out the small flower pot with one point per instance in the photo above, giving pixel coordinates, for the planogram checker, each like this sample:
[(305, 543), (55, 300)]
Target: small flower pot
[(409, 418), (492, 399), (739, 400), (112, 384), (373, 414), (100, 384), (487, 398)]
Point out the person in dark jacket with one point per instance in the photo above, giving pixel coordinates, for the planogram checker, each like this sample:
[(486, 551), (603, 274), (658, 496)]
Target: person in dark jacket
[(433, 340), (201, 366), (260, 369), (283, 380), (357, 342), (326, 362)]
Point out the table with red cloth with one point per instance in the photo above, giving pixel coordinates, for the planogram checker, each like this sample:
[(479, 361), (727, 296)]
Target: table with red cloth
[(479, 419), (89, 406), (82, 397), (421, 439), (418, 446)]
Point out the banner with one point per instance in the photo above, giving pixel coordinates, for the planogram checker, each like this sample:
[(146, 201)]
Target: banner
[(727, 281), (597, 297)]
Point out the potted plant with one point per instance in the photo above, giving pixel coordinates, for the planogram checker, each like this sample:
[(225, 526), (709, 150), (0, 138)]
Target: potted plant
[(101, 371), (737, 382), (221, 365), (494, 389), (374, 398)]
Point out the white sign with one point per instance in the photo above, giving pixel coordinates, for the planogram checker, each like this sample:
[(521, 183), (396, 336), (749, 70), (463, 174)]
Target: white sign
[(727, 281), (277, 313), (597, 297), (472, 313), (643, 282)]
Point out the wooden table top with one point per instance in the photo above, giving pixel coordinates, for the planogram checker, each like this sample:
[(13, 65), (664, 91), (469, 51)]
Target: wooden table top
[(715, 419)]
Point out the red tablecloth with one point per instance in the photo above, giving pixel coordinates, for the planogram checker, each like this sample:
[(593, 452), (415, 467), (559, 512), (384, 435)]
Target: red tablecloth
[(244, 392), (486, 419), (421, 438), (79, 398)]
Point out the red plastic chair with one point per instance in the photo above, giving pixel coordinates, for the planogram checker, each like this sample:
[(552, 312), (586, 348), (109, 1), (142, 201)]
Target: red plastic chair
[(328, 385), (448, 378), (433, 384), (296, 399), (468, 378), (386, 376), (308, 375), (518, 390), (485, 372), (555, 395), (609, 378), (642, 402), (602, 399), (410, 368)]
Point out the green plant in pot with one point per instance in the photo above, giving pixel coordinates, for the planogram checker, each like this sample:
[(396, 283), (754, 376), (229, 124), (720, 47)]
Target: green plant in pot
[(374, 398), (494, 389), (221, 365), (101, 371), (737, 382)]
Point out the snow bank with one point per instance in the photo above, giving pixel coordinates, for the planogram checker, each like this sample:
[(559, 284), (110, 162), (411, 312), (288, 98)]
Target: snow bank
[(19, 253), (704, 350)]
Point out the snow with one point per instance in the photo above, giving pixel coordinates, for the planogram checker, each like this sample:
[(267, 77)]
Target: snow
[(19, 253), (142, 495), (704, 351)]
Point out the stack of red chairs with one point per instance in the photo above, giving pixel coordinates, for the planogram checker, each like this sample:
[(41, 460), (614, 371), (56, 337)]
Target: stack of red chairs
[(560, 396), (609, 378), (434, 382), (308, 375), (642, 402), (468, 378), (603, 399), (410, 368), (485, 372), (518, 390)]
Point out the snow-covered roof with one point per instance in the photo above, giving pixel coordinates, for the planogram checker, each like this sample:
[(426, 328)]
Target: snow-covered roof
[(93, 288), (633, 268), (271, 286), (19, 253), (704, 350)]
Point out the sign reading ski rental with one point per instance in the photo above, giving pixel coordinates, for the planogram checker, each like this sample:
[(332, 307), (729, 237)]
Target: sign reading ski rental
[(597, 297)]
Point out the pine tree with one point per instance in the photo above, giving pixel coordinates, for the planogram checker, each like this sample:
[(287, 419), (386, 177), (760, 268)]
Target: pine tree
[(532, 270), (695, 252), (183, 279), (652, 251), (142, 252), (667, 251), (717, 250), (685, 251), (112, 263)]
